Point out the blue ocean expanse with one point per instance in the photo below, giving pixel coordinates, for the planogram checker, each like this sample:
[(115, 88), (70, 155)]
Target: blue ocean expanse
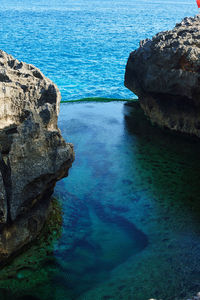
[(126, 222), (83, 45)]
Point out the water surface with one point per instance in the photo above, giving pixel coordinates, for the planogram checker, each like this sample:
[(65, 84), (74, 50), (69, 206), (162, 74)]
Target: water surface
[(130, 222), (83, 45), (131, 204)]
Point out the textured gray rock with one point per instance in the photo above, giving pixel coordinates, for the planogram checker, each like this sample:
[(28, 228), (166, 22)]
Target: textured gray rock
[(165, 74), (33, 154)]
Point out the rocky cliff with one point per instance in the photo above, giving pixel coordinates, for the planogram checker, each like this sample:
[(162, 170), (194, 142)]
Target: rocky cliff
[(33, 154), (165, 74)]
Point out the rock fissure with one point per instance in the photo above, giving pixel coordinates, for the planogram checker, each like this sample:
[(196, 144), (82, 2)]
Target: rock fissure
[(5, 170)]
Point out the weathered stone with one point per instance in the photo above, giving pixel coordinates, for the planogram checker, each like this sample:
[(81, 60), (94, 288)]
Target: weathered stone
[(165, 74), (33, 154)]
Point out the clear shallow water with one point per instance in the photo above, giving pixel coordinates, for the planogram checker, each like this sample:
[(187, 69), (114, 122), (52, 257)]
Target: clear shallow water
[(83, 45), (132, 203), (130, 226)]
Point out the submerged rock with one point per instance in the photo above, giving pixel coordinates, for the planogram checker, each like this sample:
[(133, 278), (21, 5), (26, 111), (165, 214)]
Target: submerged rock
[(33, 154), (165, 74)]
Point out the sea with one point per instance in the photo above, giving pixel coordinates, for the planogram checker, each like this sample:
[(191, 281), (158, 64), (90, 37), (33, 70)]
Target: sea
[(125, 223), (83, 45)]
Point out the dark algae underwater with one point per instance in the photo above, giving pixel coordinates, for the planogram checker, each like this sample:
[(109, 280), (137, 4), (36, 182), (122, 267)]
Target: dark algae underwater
[(127, 226)]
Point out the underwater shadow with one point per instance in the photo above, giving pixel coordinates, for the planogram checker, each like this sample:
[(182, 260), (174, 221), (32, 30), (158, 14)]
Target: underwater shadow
[(169, 162)]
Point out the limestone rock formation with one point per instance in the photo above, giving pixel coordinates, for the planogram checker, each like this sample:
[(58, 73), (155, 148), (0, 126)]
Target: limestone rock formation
[(33, 154), (165, 74)]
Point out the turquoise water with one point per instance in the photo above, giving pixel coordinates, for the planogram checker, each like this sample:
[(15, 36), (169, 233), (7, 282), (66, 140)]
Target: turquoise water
[(130, 224), (131, 207), (83, 45)]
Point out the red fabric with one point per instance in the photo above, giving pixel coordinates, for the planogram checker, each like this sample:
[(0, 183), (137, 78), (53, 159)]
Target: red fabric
[(198, 3)]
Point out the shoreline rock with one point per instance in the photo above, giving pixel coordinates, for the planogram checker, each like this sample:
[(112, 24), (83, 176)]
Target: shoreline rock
[(33, 154), (164, 73)]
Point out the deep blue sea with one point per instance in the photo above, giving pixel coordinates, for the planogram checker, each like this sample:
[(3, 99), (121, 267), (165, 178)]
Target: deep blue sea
[(126, 222)]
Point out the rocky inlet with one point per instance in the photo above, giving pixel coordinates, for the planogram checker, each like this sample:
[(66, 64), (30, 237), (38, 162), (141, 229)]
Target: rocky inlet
[(33, 154), (165, 74)]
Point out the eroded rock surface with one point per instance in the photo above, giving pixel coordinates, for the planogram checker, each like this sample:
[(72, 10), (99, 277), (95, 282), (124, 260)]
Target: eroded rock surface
[(165, 74), (33, 154)]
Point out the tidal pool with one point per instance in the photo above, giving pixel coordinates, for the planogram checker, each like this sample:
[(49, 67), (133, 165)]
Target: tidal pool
[(130, 226)]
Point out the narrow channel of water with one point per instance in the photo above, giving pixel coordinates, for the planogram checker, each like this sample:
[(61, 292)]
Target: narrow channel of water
[(130, 227), (132, 206)]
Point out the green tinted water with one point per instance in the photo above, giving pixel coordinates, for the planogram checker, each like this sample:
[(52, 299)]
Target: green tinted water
[(130, 224)]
